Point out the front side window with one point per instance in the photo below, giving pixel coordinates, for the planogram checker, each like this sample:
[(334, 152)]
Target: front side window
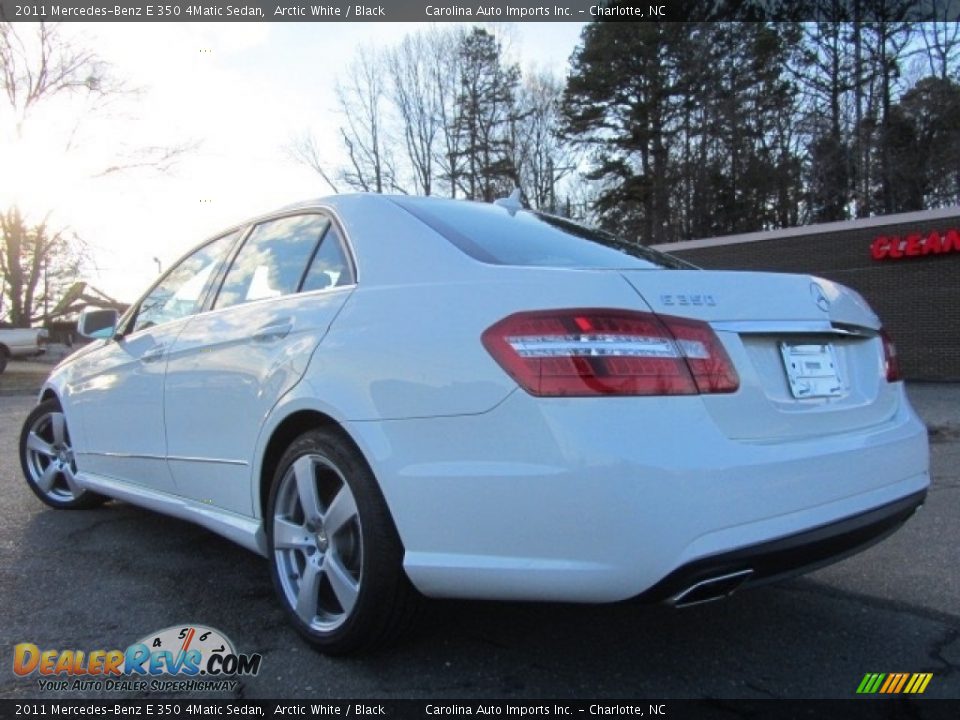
[(180, 293), (273, 259)]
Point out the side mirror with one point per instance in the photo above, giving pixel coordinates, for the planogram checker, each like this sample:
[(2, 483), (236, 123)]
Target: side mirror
[(97, 324)]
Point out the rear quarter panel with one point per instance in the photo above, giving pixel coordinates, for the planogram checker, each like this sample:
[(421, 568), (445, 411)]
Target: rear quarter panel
[(407, 351)]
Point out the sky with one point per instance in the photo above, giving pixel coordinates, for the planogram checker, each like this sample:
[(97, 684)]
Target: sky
[(237, 93)]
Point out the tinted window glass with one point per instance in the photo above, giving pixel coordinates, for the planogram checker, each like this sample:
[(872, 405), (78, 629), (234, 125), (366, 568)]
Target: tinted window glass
[(493, 234), (329, 267), (272, 261), (180, 293)]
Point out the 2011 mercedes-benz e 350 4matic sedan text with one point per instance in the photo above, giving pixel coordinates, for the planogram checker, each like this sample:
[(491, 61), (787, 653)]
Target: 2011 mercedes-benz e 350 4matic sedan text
[(395, 396)]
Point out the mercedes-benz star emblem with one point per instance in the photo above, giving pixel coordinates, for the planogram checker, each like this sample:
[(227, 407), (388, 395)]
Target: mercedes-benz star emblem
[(820, 297)]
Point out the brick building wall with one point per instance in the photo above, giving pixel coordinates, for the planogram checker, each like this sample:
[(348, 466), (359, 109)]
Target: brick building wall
[(917, 298)]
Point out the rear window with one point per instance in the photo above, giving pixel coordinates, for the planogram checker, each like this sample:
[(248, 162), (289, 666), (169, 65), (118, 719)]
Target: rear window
[(495, 235)]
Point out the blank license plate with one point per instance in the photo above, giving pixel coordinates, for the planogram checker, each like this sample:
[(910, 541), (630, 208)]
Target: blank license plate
[(811, 370)]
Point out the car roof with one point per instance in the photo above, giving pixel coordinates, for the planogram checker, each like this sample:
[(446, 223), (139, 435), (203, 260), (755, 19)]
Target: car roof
[(336, 201)]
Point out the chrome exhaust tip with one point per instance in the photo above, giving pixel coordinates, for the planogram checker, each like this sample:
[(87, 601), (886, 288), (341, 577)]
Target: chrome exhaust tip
[(715, 588)]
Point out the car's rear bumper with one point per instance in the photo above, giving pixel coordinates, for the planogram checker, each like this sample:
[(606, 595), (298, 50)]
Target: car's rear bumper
[(602, 499), (712, 577)]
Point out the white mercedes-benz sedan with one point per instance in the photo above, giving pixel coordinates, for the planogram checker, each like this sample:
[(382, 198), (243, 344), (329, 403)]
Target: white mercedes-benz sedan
[(396, 396)]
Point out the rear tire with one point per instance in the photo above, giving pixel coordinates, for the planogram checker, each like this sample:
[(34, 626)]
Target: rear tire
[(46, 456), (335, 556), (4, 357)]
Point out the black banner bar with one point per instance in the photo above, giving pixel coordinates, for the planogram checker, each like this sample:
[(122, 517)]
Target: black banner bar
[(472, 10), (517, 709)]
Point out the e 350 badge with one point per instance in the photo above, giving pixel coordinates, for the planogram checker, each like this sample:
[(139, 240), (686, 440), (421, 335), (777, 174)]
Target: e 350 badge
[(202, 658)]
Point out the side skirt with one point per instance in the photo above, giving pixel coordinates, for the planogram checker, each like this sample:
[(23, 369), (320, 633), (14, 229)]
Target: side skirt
[(244, 531)]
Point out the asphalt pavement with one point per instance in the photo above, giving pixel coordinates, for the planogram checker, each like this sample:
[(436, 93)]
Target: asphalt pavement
[(105, 578)]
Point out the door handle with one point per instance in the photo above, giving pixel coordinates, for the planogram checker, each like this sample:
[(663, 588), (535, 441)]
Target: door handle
[(153, 354), (274, 331)]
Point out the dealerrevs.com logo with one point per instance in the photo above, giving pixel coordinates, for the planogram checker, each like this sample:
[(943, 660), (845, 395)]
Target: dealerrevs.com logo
[(178, 658)]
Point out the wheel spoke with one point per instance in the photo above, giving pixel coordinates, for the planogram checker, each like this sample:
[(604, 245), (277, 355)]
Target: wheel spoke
[(307, 488), (343, 584), (58, 426), (308, 593), (71, 479), (47, 478), (288, 535), (39, 445), (342, 509), (317, 542)]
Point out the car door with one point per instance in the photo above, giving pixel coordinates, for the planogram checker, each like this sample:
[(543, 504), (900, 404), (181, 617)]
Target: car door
[(117, 390), (230, 366)]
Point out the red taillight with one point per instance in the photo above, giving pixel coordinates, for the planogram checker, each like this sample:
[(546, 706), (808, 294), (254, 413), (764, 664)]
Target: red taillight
[(610, 352), (891, 360)]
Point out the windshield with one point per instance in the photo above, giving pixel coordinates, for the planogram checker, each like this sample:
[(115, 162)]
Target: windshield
[(496, 235)]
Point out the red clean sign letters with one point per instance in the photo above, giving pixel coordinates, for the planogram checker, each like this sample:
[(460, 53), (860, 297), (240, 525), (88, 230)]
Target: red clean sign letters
[(894, 247)]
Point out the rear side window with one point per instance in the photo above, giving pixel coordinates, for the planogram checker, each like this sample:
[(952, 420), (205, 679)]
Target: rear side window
[(329, 267), (273, 260), (496, 235)]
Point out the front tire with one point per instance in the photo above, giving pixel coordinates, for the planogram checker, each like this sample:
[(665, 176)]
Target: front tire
[(335, 556), (46, 456)]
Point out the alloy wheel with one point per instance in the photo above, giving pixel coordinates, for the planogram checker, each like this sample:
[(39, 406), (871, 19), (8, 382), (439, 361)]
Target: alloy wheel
[(49, 458), (317, 542)]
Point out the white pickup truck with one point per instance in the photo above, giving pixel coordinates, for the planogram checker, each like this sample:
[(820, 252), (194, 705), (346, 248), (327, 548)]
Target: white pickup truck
[(21, 342)]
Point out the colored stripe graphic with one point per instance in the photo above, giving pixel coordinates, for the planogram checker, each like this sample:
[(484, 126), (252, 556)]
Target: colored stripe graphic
[(900, 683), (870, 683), (923, 685), (894, 683), (892, 679)]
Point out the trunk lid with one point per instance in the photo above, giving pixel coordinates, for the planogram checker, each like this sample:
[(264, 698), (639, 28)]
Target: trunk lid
[(717, 296), (807, 350)]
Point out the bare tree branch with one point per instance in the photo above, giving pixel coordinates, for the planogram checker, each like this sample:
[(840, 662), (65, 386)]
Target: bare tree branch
[(39, 64), (161, 158), (46, 65), (362, 97), (304, 150)]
